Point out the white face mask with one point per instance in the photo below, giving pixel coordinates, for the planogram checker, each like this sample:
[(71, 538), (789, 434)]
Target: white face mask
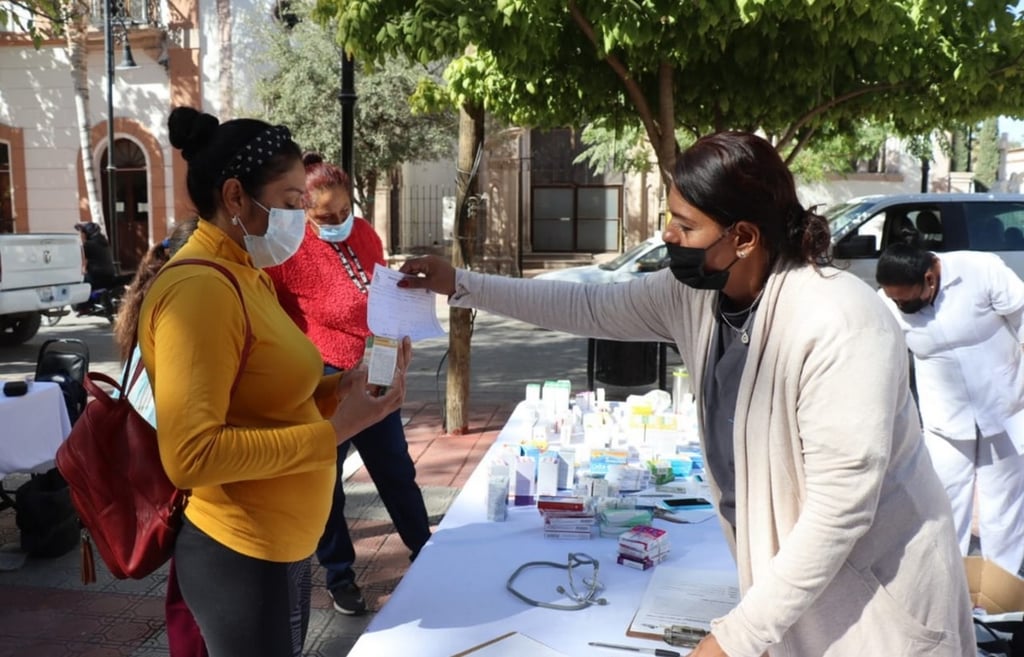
[(285, 230)]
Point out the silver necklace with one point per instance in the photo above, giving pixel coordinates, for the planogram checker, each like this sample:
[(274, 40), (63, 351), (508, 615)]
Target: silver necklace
[(744, 329)]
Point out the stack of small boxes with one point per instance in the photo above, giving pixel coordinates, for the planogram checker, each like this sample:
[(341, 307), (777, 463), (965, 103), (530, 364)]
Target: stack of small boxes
[(566, 517), (643, 547)]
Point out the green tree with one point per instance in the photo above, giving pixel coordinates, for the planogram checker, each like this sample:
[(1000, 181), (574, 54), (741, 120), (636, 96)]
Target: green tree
[(615, 148), (986, 168), (304, 81), (960, 137), (841, 149), (787, 67), (620, 147)]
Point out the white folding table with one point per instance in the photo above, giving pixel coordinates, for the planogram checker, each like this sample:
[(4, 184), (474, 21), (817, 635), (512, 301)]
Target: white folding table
[(453, 597), (32, 427)]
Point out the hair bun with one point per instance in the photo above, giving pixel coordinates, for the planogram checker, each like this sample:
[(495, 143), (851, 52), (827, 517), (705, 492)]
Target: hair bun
[(310, 158), (190, 130), (796, 222)]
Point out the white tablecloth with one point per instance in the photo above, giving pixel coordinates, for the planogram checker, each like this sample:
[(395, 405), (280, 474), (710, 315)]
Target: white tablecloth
[(32, 427), (453, 597)]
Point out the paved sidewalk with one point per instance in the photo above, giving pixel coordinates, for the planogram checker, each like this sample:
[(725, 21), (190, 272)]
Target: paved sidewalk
[(45, 610)]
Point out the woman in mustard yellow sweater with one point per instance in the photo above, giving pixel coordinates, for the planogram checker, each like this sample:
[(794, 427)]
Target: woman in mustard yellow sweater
[(250, 427)]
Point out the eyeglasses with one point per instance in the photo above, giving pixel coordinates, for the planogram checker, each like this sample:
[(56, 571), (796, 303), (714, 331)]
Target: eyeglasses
[(582, 599)]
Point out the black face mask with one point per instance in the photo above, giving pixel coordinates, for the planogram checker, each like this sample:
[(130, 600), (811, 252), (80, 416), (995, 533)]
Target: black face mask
[(687, 265), (914, 305)]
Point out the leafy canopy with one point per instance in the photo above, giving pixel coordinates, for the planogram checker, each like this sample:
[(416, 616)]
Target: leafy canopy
[(301, 90), (786, 67)]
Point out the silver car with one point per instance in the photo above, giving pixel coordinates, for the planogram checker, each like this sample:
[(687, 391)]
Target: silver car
[(863, 227), (644, 258)]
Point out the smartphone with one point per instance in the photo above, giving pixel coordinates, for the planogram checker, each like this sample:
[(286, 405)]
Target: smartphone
[(686, 503)]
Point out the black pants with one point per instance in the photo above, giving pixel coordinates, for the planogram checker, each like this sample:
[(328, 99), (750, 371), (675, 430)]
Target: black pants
[(385, 455), (242, 605)]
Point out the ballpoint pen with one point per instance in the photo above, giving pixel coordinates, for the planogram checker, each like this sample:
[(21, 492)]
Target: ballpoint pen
[(658, 652)]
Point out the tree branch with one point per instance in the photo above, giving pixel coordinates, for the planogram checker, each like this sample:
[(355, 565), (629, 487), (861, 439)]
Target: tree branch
[(838, 100), (800, 145), (632, 88), (667, 120), (1009, 66), (59, 17)]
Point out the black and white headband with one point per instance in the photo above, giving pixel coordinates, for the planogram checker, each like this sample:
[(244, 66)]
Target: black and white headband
[(257, 152)]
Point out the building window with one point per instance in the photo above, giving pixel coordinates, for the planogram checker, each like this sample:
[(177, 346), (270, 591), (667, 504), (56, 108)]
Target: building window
[(6, 190)]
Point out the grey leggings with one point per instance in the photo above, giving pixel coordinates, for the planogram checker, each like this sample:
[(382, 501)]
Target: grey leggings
[(244, 606)]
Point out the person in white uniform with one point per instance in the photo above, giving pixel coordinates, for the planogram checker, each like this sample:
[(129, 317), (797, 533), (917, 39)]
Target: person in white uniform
[(961, 313)]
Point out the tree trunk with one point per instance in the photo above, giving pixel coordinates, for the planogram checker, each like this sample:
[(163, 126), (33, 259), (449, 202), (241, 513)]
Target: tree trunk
[(471, 138), (75, 34), (226, 72), (369, 195)]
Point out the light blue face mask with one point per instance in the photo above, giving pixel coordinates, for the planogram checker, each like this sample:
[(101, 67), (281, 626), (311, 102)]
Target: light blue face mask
[(337, 232)]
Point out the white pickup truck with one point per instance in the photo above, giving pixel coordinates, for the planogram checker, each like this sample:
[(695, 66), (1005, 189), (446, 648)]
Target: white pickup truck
[(38, 271)]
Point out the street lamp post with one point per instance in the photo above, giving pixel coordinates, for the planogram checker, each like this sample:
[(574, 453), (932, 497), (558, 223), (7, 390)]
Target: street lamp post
[(348, 112), (127, 62)]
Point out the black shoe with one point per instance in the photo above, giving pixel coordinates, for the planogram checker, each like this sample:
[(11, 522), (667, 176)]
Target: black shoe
[(348, 599)]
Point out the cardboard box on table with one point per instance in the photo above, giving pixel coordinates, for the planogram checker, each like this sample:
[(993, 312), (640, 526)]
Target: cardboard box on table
[(992, 587)]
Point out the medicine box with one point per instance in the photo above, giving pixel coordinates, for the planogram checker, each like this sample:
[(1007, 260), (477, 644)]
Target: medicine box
[(561, 504), (547, 474)]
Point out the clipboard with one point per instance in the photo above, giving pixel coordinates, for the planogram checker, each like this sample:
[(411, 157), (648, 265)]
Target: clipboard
[(643, 633), (680, 596), (512, 644)]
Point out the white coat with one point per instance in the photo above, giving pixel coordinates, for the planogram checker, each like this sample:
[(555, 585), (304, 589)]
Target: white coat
[(967, 349)]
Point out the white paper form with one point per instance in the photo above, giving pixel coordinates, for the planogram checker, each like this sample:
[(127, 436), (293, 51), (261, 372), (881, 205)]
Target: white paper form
[(684, 596), (395, 312)]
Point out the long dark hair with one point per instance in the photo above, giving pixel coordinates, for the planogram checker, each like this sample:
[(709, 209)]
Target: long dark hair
[(738, 176), (128, 314), (904, 262)]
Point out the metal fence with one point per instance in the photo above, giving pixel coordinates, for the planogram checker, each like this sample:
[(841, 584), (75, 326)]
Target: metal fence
[(420, 218)]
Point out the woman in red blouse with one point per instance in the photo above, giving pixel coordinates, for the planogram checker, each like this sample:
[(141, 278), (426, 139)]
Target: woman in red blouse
[(324, 289)]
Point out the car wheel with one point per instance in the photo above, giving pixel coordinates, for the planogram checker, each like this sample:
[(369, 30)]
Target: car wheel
[(19, 328)]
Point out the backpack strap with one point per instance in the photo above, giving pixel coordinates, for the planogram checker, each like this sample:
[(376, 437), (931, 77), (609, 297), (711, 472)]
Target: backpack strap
[(246, 345), (226, 273)]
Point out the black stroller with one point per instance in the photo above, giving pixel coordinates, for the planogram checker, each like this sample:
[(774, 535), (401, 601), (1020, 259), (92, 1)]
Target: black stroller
[(65, 362)]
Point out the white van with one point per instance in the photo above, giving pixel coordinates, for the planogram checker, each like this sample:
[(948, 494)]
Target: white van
[(863, 227)]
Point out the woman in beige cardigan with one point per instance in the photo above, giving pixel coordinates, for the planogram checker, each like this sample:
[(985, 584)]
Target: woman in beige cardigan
[(841, 530)]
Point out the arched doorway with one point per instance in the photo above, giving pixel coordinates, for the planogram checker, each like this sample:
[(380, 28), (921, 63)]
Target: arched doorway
[(131, 192)]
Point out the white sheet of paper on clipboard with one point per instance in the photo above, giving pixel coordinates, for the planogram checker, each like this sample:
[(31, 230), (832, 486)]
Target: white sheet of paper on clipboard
[(683, 596)]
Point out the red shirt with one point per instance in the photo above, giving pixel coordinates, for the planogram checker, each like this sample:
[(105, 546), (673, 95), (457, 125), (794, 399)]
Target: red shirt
[(322, 297)]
